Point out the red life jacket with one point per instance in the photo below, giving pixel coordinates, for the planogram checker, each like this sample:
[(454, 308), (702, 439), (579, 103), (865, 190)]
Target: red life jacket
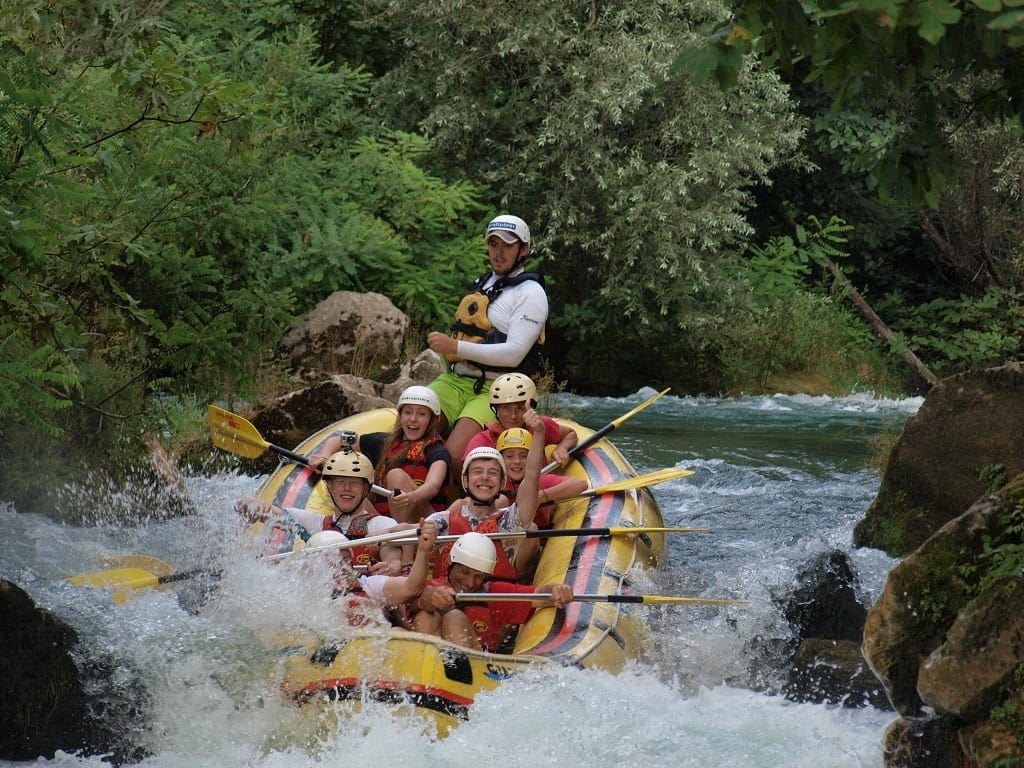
[(360, 611), (459, 524), (356, 530), (490, 622), (411, 458)]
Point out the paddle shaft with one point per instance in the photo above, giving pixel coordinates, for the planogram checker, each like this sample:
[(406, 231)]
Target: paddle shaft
[(553, 532), (579, 448), (477, 597)]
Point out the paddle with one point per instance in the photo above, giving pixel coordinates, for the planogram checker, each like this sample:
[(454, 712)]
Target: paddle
[(553, 532), (237, 435), (476, 597), (125, 580), (640, 481), (580, 447), (406, 536)]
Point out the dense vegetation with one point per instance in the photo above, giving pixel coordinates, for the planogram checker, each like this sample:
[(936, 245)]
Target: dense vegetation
[(181, 180)]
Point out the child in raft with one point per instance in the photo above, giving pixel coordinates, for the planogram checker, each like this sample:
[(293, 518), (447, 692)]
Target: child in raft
[(514, 446), (410, 460)]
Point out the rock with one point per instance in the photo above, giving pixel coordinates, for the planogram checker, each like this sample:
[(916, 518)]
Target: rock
[(925, 594), (990, 744), (965, 442), (833, 672), (922, 742), (964, 676), (827, 621), (352, 333), (290, 419), (47, 703), (825, 603)]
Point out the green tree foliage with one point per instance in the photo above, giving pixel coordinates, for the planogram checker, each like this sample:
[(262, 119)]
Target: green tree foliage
[(900, 64), (178, 181), (634, 181), (789, 326)]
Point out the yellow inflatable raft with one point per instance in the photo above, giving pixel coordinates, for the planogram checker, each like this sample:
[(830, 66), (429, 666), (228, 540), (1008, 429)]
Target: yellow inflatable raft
[(439, 680)]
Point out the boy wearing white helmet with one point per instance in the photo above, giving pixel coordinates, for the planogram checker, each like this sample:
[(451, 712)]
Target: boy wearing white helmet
[(499, 327), (347, 476), (480, 626), (486, 510), (411, 459), (367, 594), (511, 396)]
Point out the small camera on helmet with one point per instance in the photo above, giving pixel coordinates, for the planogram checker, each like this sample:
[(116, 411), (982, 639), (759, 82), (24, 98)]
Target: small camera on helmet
[(348, 439)]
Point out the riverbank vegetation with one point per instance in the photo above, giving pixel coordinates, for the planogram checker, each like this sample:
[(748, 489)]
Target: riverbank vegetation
[(182, 180)]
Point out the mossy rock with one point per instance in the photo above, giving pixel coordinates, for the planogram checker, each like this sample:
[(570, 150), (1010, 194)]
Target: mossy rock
[(965, 442)]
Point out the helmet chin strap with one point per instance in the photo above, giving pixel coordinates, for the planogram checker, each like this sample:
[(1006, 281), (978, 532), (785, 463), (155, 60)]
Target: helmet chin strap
[(520, 258), (478, 502)]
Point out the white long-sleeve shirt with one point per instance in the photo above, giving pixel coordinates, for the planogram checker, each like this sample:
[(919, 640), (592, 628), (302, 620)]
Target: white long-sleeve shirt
[(519, 312)]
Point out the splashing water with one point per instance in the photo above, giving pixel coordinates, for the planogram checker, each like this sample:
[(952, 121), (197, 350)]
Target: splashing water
[(778, 480)]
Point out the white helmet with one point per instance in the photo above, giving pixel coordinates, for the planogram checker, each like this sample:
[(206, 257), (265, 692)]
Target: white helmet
[(476, 551), (513, 388), (417, 395), (508, 228), (483, 452), (325, 538)]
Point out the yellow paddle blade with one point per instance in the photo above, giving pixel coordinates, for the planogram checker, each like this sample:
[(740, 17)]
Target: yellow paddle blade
[(641, 481), (235, 434), (121, 578), (635, 411), (144, 562)]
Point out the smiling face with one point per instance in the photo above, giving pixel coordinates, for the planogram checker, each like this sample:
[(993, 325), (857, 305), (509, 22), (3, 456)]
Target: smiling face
[(347, 493), (511, 415), (515, 463), (503, 256), (415, 421), (484, 478), (465, 579)]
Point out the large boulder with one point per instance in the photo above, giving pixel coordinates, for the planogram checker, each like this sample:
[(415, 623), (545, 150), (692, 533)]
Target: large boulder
[(966, 675), (52, 700), (824, 603), (827, 622), (362, 334), (288, 420), (965, 441), (922, 598), (947, 634)]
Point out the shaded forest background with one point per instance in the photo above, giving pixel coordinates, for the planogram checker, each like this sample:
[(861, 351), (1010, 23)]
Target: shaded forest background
[(181, 180)]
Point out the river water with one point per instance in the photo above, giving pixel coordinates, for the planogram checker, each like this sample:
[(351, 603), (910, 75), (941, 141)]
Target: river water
[(779, 479)]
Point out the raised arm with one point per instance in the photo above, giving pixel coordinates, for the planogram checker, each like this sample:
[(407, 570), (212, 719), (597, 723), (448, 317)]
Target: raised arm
[(527, 498), (403, 589)]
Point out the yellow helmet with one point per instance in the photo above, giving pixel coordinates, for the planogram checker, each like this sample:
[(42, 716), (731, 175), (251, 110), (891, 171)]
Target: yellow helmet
[(348, 464), (517, 437)]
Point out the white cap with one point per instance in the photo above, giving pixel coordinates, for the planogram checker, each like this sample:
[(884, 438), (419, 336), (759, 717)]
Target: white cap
[(508, 228), (418, 395)]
